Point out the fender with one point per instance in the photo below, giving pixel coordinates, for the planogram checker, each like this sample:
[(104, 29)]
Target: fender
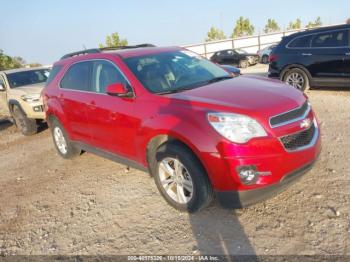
[(56, 110), (299, 66), (13, 102), (171, 127)]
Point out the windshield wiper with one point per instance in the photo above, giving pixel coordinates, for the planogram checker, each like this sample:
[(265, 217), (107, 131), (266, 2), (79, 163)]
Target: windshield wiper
[(173, 91), (217, 79)]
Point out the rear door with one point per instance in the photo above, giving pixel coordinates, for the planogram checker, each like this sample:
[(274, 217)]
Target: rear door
[(328, 50), (111, 119), (74, 95)]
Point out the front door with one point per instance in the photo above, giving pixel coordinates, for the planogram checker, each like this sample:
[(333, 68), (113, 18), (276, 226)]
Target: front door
[(229, 58), (3, 99), (347, 63), (111, 118)]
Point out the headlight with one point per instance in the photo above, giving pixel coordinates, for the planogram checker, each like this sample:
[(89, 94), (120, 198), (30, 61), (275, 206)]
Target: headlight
[(31, 98), (236, 128)]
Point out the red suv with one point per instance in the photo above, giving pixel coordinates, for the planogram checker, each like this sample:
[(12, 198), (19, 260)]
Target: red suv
[(197, 130)]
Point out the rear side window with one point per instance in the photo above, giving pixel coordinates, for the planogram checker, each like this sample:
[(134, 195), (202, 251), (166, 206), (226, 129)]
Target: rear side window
[(53, 73), (78, 77), (331, 39), (104, 74), (301, 42)]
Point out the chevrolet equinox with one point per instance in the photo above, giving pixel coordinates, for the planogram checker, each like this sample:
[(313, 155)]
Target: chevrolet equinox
[(198, 131)]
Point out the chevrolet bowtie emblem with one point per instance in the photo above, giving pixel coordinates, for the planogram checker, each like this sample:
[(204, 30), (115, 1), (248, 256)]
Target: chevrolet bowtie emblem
[(306, 123)]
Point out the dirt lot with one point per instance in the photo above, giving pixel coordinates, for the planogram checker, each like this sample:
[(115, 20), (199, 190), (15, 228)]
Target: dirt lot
[(90, 205)]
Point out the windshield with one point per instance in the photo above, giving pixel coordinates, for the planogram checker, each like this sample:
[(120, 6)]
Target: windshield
[(174, 71), (240, 51), (29, 77)]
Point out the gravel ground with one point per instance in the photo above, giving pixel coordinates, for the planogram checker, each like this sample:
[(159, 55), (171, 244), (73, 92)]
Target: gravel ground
[(91, 206)]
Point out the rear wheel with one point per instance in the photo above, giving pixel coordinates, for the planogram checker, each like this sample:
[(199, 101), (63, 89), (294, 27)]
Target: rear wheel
[(64, 146), (180, 178), (27, 126), (297, 78), (243, 64)]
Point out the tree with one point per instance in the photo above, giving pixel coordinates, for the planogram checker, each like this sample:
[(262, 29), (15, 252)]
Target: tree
[(243, 28), (8, 62), (114, 40), (215, 34), (316, 23), (35, 65), (271, 26), (294, 25)]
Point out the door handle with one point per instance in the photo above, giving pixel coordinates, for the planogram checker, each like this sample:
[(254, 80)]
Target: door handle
[(306, 54), (113, 116), (92, 104)]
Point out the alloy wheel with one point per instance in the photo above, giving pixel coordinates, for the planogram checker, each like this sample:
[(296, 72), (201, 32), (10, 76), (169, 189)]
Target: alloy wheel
[(296, 80), (176, 180), (60, 140)]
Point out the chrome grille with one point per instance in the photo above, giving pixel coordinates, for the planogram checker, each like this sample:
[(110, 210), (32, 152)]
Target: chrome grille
[(290, 116)]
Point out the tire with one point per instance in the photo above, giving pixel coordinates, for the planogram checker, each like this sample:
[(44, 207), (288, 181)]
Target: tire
[(297, 78), (63, 145), (191, 175), (243, 64), (265, 59), (27, 126)]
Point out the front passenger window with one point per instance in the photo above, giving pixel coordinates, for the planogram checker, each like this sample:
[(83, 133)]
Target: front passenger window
[(104, 74)]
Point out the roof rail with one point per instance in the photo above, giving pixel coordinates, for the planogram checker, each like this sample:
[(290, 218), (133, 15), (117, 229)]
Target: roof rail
[(83, 52), (99, 50), (126, 47)]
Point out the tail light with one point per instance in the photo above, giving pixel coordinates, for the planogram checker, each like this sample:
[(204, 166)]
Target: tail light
[(272, 58)]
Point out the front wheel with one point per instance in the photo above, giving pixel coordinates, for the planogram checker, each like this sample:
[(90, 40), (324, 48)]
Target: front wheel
[(297, 78), (243, 64), (27, 126), (180, 178)]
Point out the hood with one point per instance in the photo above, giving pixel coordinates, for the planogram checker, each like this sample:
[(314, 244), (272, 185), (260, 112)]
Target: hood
[(29, 89), (250, 95)]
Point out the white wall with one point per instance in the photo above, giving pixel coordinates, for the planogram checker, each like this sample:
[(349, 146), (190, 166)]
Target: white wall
[(251, 44)]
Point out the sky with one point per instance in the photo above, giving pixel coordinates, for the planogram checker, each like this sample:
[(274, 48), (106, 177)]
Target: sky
[(42, 31)]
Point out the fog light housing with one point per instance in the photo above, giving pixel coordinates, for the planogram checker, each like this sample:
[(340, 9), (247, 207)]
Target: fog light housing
[(248, 174), (38, 109)]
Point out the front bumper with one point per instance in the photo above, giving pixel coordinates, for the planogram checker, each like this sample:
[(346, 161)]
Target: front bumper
[(240, 199), (33, 110), (253, 60)]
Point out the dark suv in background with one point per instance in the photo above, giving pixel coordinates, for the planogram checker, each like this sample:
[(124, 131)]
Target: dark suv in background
[(313, 58), (236, 57)]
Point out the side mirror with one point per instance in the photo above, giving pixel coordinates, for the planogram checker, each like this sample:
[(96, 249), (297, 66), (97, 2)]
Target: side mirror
[(119, 89), (2, 87)]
